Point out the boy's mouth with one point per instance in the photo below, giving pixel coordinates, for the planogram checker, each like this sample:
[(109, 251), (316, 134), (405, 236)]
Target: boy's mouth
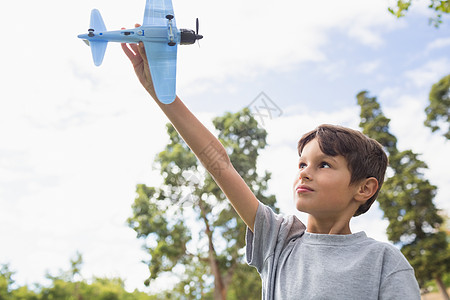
[(303, 189)]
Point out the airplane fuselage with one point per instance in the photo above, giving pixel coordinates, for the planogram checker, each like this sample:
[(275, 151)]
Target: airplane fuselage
[(161, 34)]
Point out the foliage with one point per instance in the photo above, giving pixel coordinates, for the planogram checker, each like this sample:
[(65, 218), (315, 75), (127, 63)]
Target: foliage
[(439, 7), (99, 289), (432, 287), (65, 287), (7, 290), (188, 224), (5, 281), (245, 284), (438, 110), (407, 200)]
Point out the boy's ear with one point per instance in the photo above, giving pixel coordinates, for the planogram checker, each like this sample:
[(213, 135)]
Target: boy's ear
[(367, 188)]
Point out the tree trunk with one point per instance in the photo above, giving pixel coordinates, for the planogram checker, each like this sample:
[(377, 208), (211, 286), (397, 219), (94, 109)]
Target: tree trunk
[(442, 288), (220, 292)]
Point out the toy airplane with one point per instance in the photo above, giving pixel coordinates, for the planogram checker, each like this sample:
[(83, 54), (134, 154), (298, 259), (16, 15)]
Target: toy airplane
[(160, 36)]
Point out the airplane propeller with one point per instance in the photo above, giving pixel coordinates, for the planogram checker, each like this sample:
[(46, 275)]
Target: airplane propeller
[(197, 25), (197, 36)]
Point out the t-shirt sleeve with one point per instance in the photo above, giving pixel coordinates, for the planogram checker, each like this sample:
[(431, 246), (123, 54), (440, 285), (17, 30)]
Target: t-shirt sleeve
[(400, 285), (271, 233), (399, 282), (262, 242)]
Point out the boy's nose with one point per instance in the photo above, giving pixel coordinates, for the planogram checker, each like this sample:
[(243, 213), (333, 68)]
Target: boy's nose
[(304, 174), (303, 177)]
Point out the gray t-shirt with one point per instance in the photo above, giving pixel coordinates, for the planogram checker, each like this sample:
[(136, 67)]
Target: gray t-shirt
[(295, 264)]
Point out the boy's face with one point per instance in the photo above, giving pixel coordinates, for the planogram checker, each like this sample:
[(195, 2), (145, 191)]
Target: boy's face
[(322, 185)]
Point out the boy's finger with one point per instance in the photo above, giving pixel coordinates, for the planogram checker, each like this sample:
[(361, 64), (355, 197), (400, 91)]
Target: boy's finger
[(127, 51), (134, 47), (141, 49)]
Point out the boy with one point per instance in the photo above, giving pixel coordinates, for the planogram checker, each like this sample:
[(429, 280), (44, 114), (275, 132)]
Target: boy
[(340, 174)]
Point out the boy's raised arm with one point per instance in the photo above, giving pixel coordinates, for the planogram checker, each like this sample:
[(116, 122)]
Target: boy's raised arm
[(202, 142)]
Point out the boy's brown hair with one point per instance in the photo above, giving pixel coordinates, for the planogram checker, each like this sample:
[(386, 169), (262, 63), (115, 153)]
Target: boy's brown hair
[(365, 156)]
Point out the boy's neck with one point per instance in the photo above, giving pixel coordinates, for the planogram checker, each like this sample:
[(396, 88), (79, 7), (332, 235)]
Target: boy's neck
[(328, 226)]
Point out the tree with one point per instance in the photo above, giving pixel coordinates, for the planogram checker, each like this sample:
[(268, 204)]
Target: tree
[(8, 292), (166, 217), (407, 201), (69, 284), (99, 289), (6, 281), (66, 287), (439, 7), (438, 110), (23, 293)]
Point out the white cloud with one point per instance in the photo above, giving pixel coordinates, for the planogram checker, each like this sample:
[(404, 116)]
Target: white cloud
[(429, 73), (244, 41), (369, 67), (438, 43), (333, 69)]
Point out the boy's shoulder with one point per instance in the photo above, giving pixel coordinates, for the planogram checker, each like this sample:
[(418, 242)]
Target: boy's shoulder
[(387, 250), (392, 260)]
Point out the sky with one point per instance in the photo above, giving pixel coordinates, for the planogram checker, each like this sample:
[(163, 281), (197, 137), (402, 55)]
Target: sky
[(76, 139)]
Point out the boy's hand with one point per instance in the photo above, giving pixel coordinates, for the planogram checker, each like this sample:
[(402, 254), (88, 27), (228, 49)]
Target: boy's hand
[(137, 56)]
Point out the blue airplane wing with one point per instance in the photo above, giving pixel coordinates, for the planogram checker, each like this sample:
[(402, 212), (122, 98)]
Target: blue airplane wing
[(162, 60), (156, 12)]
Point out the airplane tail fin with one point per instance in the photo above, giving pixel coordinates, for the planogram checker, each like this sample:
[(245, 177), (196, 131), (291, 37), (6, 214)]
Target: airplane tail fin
[(97, 21), (98, 48)]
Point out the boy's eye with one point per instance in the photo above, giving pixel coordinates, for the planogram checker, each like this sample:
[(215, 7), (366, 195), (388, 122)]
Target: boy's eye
[(325, 165), (301, 165)]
